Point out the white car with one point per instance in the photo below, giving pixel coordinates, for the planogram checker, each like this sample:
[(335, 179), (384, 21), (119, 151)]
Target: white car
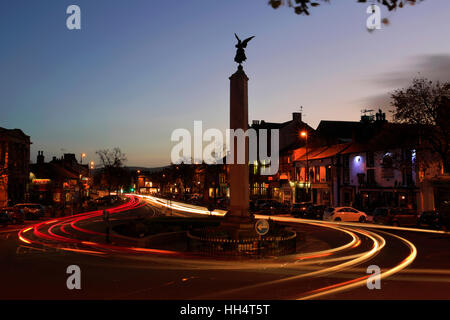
[(344, 214)]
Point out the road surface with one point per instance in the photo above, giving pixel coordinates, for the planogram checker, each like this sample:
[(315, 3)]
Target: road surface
[(331, 264)]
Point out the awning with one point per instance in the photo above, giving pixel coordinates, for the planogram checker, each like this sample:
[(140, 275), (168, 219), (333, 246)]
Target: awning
[(319, 152)]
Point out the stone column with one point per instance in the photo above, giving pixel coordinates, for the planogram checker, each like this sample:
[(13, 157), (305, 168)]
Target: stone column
[(238, 218)]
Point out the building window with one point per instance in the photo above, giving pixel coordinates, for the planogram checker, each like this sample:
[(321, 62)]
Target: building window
[(370, 159), (407, 177), (2, 152), (361, 178), (347, 198), (371, 177), (387, 166), (328, 173), (346, 175), (298, 174), (346, 161), (406, 156), (317, 172)]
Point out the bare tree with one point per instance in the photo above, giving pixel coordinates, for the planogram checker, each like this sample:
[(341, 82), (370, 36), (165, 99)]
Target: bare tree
[(427, 104), (113, 171)]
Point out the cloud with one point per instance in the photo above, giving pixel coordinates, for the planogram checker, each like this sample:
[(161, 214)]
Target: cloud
[(434, 67), (380, 101)]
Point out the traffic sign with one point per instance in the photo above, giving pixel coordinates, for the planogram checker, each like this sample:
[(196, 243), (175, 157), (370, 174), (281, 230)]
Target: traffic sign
[(262, 227)]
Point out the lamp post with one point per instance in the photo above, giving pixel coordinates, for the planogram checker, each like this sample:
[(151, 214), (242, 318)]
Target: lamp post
[(91, 178), (137, 186), (91, 168), (83, 155), (304, 134)]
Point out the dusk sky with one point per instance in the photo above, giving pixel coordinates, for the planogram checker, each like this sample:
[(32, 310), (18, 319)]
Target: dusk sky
[(139, 69)]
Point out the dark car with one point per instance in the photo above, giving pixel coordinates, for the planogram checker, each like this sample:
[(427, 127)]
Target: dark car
[(195, 198), (436, 219), (396, 216), (299, 209), (5, 219), (33, 211), (430, 219), (444, 214), (252, 206), (223, 203), (16, 215), (315, 212), (107, 200), (271, 207), (259, 204), (328, 211)]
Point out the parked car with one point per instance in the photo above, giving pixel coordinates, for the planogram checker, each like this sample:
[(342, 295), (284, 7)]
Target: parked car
[(195, 197), (344, 214), (434, 219), (395, 216), (252, 206), (327, 211), (315, 212), (187, 197), (259, 203), (299, 209), (107, 199), (5, 219), (223, 203), (271, 207), (33, 211), (17, 215), (444, 213)]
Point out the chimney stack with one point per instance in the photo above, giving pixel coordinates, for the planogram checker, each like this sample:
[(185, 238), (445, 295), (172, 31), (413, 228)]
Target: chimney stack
[(297, 116), (40, 157)]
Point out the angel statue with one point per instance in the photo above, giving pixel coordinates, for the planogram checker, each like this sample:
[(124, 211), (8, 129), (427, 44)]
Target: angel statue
[(240, 52)]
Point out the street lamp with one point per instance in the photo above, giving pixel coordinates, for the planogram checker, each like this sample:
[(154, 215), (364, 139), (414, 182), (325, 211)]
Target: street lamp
[(304, 134), (137, 184), (83, 155)]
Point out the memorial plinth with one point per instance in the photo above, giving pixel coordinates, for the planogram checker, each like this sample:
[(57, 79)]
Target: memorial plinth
[(238, 219)]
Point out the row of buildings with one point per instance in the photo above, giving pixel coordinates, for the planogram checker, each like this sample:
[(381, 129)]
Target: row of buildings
[(14, 165), (365, 164), (62, 182)]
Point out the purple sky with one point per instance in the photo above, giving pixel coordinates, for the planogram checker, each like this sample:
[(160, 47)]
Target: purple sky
[(139, 69)]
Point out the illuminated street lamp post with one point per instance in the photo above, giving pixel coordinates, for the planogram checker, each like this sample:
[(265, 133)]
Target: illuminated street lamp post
[(137, 187), (90, 179), (91, 167), (83, 155), (304, 135)]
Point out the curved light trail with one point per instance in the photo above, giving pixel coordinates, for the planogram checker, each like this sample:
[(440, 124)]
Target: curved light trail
[(362, 245)]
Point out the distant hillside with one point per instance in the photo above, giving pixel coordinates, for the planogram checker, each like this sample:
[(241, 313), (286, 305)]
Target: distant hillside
[(142, 169), (157, 169)]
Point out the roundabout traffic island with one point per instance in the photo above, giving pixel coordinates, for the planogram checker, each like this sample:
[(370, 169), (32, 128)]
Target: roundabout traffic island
[(268, 240), (206, 236)]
